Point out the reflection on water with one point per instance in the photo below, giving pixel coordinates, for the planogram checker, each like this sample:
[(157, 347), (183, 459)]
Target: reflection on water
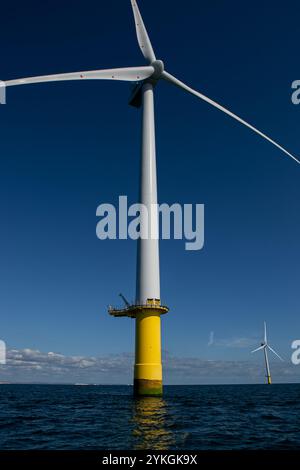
[(65, 417), (150, 415)]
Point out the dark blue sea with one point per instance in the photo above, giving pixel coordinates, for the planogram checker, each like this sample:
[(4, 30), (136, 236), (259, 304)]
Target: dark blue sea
[(213, 417)]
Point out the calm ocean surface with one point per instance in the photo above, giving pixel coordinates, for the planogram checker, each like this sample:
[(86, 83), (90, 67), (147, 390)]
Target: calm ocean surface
[(187, 417)]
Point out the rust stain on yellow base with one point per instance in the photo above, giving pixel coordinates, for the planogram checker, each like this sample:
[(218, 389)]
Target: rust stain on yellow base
[(143, 387)]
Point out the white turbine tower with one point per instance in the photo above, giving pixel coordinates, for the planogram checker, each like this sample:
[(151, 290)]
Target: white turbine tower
[(147, 309), (265, 346)]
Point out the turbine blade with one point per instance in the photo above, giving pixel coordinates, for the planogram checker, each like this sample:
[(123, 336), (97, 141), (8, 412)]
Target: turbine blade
[(265, 332), (258, 349), (274, 352), (129, 74), (142, 35), (180, 84)]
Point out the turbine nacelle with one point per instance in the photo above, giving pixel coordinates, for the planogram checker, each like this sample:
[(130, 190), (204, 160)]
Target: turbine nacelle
[(159, 68), (135, 99)]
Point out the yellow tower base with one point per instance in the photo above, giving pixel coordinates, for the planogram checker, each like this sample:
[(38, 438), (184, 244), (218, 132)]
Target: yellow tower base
[(148, 366)]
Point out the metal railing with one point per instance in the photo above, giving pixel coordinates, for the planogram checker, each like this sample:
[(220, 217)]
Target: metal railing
[(135, 306)]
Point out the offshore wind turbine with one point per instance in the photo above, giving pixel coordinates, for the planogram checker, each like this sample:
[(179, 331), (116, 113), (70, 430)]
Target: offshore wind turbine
[(265, 346), (147, 308)]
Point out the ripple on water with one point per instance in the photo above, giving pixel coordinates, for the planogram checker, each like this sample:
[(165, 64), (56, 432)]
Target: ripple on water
[(187, 417)]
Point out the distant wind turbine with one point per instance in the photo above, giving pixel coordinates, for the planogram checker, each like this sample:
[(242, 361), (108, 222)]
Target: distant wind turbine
[(265, 346), (147, 308)]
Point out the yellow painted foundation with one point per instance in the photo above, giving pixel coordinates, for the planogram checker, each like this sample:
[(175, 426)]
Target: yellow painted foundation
[(269, 379), (148, 366)]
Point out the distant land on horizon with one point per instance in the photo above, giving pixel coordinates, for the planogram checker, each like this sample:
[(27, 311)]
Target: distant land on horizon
[(130, 385)]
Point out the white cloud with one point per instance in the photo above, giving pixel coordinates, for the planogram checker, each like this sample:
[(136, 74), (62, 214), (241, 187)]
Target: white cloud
[(30, 365), (233, 342)]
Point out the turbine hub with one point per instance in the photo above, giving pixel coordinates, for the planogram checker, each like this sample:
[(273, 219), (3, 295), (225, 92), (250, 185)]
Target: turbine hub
[(159, 67)]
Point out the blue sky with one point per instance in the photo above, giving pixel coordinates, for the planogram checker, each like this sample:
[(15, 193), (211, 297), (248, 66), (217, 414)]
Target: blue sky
[(66, 148)]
